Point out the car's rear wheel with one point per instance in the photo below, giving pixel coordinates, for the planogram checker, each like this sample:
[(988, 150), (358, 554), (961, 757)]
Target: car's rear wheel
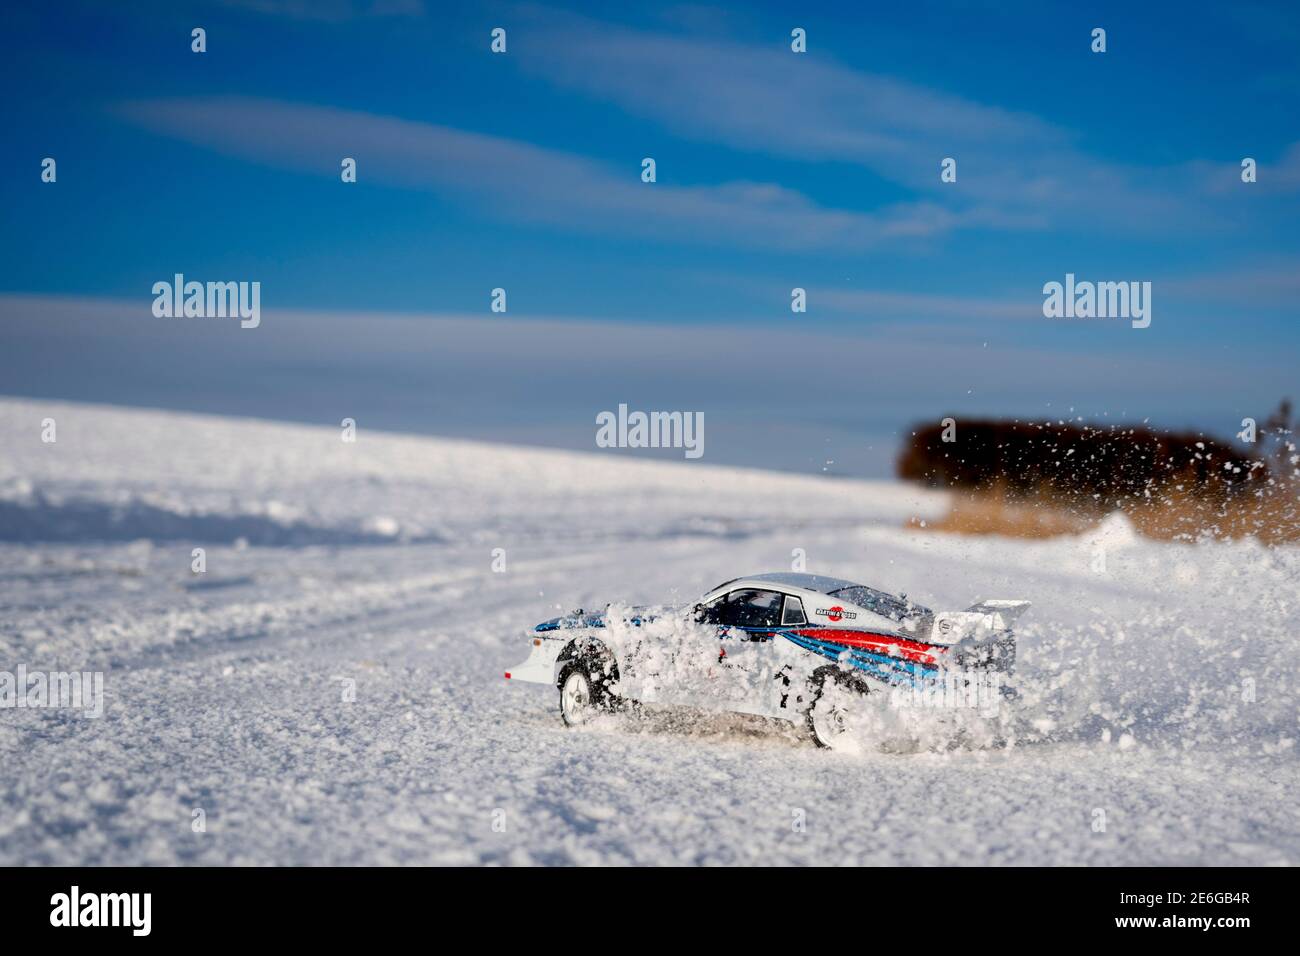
[(836, 696)]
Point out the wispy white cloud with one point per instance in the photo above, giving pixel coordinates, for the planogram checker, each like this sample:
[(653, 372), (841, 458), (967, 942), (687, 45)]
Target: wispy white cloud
[(1015, 169), (523, 182), (473, 354), (1273, 282), (1274, 177), (926, 307), (1270, 284)]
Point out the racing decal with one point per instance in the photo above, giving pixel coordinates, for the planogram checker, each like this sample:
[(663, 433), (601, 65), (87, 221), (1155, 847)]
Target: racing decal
[(891, 670), (885, 643), (836, 613)]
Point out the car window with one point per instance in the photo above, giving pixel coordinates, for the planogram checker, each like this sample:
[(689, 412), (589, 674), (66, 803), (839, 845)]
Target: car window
[(793, 613), (750, 607), (896, 608), (711, 613)]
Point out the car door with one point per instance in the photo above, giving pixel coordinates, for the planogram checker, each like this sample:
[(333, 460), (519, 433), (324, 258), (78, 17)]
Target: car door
[(735, 667), (764, 664)]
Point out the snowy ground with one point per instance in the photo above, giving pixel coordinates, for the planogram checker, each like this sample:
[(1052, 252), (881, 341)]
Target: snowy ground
[(1162, 690)]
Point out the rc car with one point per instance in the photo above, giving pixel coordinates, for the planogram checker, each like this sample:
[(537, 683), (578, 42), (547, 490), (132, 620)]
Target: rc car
[(797, 647)]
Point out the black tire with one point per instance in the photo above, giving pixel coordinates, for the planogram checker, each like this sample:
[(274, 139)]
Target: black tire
[(598, 676), (818, 682)]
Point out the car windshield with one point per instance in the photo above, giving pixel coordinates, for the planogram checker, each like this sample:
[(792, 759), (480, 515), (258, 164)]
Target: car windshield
[(894, 608)]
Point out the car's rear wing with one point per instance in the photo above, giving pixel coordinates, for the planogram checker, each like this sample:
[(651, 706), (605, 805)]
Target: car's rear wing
[(1006, 611), (979, 621)]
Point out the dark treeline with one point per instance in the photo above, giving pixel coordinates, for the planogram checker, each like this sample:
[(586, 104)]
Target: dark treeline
[(1089, 465)]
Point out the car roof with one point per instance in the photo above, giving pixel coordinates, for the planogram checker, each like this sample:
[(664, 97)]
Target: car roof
[(820, 583), (882, 603)]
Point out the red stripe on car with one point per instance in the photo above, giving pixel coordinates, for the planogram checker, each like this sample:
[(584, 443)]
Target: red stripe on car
[(909, 650)]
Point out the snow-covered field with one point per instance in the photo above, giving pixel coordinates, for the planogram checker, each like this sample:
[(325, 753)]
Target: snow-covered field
[(1161, 691)]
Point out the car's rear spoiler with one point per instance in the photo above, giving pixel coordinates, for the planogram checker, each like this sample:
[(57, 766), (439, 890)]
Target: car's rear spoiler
[(983, 621), (1006, 610)]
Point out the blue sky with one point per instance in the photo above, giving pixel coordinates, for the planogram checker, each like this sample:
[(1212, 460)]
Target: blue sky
[(775, 170)]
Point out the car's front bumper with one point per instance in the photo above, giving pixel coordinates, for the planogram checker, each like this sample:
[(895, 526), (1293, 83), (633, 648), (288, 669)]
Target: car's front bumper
[(539, 668)]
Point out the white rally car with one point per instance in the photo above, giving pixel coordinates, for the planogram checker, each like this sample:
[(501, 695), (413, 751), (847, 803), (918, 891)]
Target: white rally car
[(797, 647)]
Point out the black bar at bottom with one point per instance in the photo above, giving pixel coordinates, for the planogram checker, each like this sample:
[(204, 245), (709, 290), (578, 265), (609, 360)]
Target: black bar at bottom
[(766, 907)]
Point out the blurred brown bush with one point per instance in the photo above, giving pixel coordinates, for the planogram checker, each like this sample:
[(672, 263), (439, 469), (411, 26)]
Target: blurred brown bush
[(1038, 479)]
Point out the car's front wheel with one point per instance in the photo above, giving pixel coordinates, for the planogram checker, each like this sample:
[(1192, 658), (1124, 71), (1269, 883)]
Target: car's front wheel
[(575, 695), (581, 694)]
